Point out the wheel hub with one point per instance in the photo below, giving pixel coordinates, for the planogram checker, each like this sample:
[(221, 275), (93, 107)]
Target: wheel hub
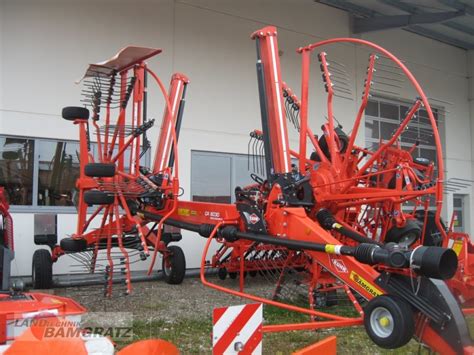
[(382, 322)]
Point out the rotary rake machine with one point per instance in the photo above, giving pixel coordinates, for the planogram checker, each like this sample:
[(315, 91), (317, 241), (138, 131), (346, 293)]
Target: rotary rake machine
[(109, 237), (337, 216)]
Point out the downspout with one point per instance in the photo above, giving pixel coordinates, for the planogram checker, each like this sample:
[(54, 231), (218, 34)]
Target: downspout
[(470, 97)]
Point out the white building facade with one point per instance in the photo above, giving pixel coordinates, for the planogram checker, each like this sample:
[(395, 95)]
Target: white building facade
[(45, 45)]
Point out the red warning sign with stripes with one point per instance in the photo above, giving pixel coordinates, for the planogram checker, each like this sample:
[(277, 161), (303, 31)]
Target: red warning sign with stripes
[(237, 329)]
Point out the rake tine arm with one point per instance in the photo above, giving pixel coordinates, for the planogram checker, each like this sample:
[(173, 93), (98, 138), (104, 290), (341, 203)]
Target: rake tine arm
[(392, 140), (121, 247), (331, 136), (363, 105)]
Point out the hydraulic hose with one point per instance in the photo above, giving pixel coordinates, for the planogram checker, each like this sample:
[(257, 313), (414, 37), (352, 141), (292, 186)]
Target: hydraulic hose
[(435, 262), (328, 222), (203, 230)]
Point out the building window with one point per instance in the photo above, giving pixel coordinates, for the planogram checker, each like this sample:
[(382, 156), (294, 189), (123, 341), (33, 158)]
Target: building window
[(58, 169), (459, 211), (40, 174), (382, 119), (210, 177), (16, 169), (214, 176)]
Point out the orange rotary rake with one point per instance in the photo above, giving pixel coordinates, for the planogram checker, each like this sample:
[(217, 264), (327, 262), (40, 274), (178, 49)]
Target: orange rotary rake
[(343, 219), (112, 178), (338, 219)]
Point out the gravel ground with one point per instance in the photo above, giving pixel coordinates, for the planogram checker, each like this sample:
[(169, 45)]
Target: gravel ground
[(157, 299), (182, 314)]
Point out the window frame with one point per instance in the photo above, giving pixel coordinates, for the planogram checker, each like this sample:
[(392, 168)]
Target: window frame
[(440, 119), (36, 171), (462, 211), (401, 102), (6, 136), (34, 207), (233, 168)]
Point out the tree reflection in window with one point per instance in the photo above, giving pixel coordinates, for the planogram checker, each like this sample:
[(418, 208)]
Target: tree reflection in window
[(16, 169), (58, 171), (211, 177)]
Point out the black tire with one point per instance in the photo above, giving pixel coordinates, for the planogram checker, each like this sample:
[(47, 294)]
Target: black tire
[(222, 273), (174, 274), (325, 298), (433, 236), (133, 207), (392, 184), (73, 245), (42, 269), (399, 323), (406, 235), (331, 298), (233, 275), (72, 113), (343, 142), (100, 169), (96, 197)]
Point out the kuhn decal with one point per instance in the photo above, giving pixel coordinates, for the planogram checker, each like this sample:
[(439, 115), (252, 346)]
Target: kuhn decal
[(339, 265), (253, 219)]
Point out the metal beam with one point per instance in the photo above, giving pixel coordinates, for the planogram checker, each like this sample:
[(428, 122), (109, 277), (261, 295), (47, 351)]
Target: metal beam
[(414, 10), (458, 5), (411, 9), (440, 37), (361, 25), (349, 7), (451, 24), (460, 27), (362, 11)]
